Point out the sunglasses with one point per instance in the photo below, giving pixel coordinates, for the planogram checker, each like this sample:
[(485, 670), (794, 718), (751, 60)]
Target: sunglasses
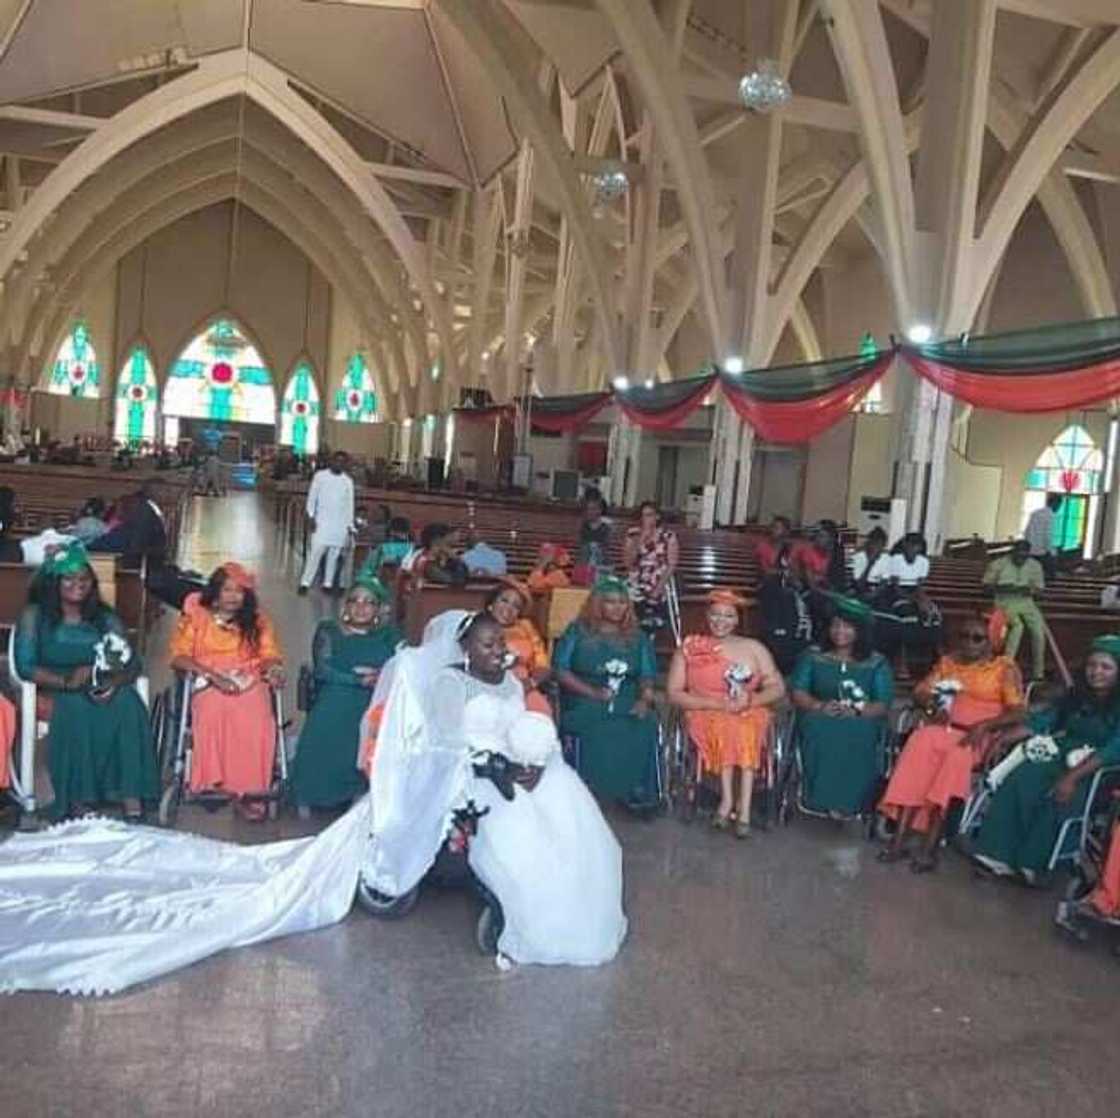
[(974, 638)]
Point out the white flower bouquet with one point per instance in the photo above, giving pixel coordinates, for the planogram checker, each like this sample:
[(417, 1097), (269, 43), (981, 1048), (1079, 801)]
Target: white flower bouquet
[(531, 739), (111, 654), (944, 692), (852, 695), (737, 677), (617, 671), (1035, 750)]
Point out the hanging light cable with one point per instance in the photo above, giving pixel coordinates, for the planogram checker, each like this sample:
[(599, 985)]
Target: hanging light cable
[(235, 219)]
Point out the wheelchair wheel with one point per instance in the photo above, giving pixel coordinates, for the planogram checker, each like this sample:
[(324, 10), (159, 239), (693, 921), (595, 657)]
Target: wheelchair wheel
[(383, 907), (169, 804)]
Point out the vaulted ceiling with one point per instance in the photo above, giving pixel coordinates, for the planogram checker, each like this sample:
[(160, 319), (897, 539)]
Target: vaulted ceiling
[(437, 160)]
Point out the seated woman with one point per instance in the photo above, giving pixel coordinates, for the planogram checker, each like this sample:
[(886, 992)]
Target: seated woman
[(726, 685), (1026, 812), (843, 694), (871, 566), (911, 619), (651, 553), (542, 848), (437, 560), (971, 695), (606, 668), (229, 644), (507, 603), (391, 552), (99, 743), (348, 655), (551, 571)]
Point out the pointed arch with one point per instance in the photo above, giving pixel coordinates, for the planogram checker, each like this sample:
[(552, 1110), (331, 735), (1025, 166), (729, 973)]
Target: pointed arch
[(356, 400), (136, 398), (300, 411), (220, 375), (1071, 466), (74, 371)]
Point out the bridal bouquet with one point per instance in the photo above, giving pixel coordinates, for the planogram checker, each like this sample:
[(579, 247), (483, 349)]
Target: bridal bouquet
[(944, 692), (852, 695), (531, 739), (1078, 756), (111, 654), (1036, 750), (509, 659), (736, 677), (616, 672)]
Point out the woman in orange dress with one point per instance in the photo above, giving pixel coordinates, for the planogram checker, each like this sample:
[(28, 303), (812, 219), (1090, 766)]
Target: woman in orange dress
[(726, 684), (970, 696), (507, 604), (551, 571), (230, 645)]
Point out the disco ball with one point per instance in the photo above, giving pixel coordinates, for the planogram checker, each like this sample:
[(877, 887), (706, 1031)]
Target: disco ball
[(608, 186), (765, 87)]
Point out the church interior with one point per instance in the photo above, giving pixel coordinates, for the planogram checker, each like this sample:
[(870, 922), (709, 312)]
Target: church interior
[(757, 282)]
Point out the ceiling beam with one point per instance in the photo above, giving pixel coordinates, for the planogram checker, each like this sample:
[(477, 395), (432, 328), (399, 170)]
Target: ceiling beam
[(1075, 13), (51, 118)]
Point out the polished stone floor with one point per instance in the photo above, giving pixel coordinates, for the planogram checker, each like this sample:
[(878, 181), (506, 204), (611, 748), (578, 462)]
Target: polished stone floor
[(788, 975)]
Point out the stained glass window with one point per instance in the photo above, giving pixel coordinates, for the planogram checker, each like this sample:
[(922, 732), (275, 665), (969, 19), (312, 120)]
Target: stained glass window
[(1072, 466), (356, 401), (75, 372), (299, 412), (220, 375), (137, 394)]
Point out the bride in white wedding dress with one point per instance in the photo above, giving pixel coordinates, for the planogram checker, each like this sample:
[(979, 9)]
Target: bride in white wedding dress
[(94, 906)]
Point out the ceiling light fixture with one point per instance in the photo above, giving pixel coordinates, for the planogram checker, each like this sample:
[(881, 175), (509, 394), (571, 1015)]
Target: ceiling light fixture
[(920, 333), (621, 383), (734, 365), (765, 87)]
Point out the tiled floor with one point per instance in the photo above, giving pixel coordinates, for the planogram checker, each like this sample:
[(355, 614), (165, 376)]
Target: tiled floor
[(789, 975)]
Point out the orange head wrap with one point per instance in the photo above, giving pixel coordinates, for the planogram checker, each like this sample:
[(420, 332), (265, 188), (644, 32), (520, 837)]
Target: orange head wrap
[(724, 597), (522, 588), (239, 576)]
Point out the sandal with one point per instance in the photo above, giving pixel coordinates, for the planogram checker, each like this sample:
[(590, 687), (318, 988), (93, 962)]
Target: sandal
[(721, 822), (742, 830), (923, 863)]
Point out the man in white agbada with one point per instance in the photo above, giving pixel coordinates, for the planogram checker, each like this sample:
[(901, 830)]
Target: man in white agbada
[(330, 512), (95, 905)]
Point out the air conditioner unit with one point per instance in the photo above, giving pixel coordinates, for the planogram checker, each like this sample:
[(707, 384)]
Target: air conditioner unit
[(564, 485)]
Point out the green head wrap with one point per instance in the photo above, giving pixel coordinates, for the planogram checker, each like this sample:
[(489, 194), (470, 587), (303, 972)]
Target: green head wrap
[(851, 609), (68, 560), (1109, 645), (373, 584), (610, 584)]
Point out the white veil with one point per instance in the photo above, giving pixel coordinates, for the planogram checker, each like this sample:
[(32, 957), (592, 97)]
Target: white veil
[(415, 780)]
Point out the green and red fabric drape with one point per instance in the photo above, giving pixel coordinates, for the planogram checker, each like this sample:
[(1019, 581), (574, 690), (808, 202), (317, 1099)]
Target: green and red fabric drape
[(1048, 368), (660, 407), (795, 403)]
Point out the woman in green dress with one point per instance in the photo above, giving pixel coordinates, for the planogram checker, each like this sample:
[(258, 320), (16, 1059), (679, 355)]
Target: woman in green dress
[(347, 656), (606, 668), (1027, 810), (842, 695), (99, 742)]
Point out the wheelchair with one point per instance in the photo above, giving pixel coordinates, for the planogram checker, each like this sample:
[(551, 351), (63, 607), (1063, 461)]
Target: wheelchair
[(29, 731), (451, 870), (790, 793), (172, 734), (688, 794), (1074, 917)]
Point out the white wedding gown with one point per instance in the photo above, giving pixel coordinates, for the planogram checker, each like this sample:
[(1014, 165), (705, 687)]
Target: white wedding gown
[(95, 906), (548, 855)]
